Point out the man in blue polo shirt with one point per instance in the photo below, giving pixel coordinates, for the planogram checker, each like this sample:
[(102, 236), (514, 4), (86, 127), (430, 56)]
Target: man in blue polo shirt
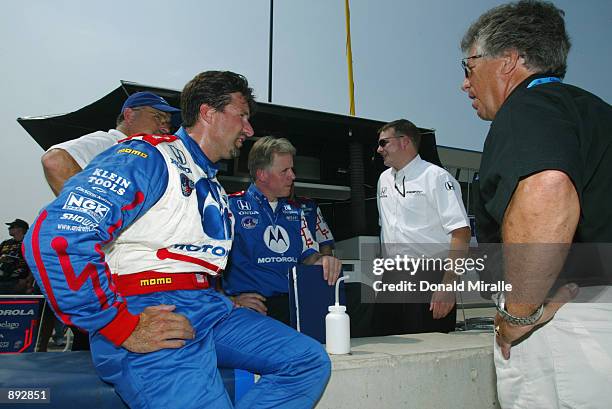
[(271, 234)]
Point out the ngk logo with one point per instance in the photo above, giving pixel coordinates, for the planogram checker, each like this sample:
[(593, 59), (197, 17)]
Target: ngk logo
[(86, 205)]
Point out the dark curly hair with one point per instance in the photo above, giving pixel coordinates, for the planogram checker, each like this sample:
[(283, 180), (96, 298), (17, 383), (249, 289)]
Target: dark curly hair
[(213, 88)]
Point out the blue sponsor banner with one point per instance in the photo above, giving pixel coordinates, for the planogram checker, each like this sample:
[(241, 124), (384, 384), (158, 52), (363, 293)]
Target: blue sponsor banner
[(19, 322)]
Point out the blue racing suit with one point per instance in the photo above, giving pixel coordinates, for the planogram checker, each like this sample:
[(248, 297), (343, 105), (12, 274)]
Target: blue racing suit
[(267, 244), (145, 224)]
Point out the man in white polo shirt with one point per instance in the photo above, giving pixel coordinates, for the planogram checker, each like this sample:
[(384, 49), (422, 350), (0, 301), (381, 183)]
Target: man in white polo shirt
[(142, 112), (421, 214)]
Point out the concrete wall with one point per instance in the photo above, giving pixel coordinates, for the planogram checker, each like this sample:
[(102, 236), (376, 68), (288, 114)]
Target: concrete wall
[(425, 371)]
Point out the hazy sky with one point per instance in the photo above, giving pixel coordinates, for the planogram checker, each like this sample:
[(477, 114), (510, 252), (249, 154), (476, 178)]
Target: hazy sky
[(59, 56)]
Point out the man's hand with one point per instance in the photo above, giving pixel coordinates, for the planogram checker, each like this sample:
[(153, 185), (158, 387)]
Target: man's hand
[(159, 328), (331, 268), (506, 334), (253, 301), (442, 302)]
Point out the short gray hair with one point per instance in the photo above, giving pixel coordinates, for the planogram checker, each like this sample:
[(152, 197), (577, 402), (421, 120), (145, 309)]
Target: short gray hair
[(262, 153), (535, 29)]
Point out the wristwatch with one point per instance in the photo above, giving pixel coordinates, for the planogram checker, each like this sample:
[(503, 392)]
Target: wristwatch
[(500, 304)]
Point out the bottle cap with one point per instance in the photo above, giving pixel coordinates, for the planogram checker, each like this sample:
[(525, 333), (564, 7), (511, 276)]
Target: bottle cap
[(336, 308)]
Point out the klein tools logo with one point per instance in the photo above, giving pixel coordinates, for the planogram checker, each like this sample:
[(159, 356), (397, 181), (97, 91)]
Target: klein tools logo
[(276, 239)]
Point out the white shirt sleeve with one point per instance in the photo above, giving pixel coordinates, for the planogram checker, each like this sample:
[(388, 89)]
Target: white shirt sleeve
[(446, 193), (85, 148)]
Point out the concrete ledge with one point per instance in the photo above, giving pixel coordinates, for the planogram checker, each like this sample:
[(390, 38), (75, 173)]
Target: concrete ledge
[(425, 371)]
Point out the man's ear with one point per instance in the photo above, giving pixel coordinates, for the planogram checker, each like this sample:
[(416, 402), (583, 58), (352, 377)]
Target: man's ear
[(206, 112), (261, 175), (511, 61), (128, 115)]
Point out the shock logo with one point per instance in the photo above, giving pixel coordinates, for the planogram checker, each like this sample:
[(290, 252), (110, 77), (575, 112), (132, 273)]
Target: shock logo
[(79, 219)]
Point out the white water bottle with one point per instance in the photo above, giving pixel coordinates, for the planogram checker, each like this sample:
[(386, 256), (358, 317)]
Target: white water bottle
[(337, 327)]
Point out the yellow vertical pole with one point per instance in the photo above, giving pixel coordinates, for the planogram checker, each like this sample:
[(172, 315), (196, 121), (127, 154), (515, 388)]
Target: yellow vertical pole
[(349, 58)]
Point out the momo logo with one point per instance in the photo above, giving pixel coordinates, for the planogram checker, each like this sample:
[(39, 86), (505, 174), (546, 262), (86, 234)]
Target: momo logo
[(214, 210), (133, 152), (155, 281), (276, 239), (82, 204), (383, 191), (179, 160), (449, 186), (243, 205)]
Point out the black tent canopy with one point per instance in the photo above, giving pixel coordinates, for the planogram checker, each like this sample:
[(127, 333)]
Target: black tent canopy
[(343, 146)]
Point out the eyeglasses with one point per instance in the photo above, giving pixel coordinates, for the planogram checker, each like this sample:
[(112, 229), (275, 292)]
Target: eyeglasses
[(384, 141), (467, 70), (161, 117)]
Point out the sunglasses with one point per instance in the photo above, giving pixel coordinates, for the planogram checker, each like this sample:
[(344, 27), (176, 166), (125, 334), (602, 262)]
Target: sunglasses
[(467, 70), (384, 141)]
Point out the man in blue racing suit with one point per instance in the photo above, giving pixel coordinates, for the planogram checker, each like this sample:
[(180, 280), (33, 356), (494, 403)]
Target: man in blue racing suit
[(125, 252), (271, 234)]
